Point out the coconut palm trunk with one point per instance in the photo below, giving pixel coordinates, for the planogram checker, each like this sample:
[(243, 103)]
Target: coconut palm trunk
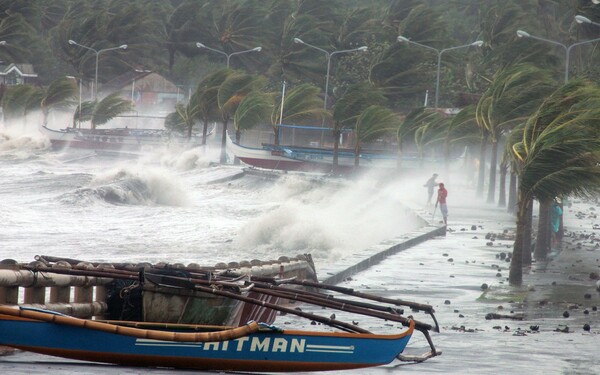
[(515, 276), (482, 154), (527, 244), (502, 186), (542, 242), (512, 192), (223, 158), (493, 162)]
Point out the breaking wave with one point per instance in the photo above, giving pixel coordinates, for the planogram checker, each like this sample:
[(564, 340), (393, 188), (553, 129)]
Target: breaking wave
[(126, 187), (326, 220)]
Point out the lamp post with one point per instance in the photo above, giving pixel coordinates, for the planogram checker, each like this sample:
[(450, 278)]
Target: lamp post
[(228, 55), (525, 34), (329, 55), (439, 52), (583, 19), (97, 52)]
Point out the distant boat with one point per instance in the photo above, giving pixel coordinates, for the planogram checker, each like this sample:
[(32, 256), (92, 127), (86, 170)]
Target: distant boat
[(320, 160), (119, 139)]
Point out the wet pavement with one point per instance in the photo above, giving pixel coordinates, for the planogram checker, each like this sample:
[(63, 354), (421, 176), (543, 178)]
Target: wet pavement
[(448, 272)]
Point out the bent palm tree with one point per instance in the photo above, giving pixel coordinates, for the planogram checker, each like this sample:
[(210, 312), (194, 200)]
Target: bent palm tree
[(372, 123), (253, 110), (108, 108), (301, 104), (559, 154), (60, 92)]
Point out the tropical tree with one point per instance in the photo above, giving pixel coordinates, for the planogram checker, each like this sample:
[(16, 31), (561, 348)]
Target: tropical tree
[(106, 109), (558, 155), (16, 101), (206, 100), (229, 96), (301, 104), (355, 100), (61, 92), (514, 94), (254, 109), (372, 123)]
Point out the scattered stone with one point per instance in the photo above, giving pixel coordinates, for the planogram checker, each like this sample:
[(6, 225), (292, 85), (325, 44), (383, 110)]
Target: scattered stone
[(594, 308), (484, 286), (534, 328), (450, 260), (498, 274), (445, 254), (355, 322), (447, 302), (500, 307), (312, 322), (473, 227), (332, 316), (563, 330), (461, 316), (489, 243), (566, 314), (586, 327), (586, 311), (587, 296), (475, 238), (456, 311)]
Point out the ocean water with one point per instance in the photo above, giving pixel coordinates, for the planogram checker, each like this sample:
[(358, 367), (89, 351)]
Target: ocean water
[(178, 206)]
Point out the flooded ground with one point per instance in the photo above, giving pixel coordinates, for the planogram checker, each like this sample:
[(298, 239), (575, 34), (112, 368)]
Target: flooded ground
[(448, 273)]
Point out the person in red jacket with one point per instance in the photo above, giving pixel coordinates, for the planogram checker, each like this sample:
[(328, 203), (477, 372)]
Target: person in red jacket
[(441, 200)]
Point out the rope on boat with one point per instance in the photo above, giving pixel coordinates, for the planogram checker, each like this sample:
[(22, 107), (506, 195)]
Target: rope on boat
[(223, 335)]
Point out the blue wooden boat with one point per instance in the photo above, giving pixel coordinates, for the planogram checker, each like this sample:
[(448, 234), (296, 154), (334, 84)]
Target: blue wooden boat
[(252, 347)]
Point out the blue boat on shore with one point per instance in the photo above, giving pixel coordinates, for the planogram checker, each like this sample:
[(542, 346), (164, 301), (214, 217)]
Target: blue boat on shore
[(252, 347)]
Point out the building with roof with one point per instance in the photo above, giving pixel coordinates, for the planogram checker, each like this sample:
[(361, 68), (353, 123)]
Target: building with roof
[(17, 74)]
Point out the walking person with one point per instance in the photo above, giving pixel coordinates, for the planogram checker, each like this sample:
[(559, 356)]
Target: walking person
[(430, 184), (441, 200)]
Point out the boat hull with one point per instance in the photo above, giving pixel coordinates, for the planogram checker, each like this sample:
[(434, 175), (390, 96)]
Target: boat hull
[(265, 350), (121, 139)]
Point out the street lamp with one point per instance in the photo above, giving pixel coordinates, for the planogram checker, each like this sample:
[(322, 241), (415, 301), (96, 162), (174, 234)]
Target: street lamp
[(439, 52), (228, 55), (525, 34), (97, 52), (583, 19), (329, 56)]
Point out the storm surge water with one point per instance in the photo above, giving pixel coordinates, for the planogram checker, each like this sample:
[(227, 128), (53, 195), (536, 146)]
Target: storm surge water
[(179, 207)]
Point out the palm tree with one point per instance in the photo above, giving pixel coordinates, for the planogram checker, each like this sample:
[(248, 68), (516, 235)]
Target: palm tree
[(108, 108), (408, 127), (229, 96), (373, 122), (301, 104), (558, 155), (16, 101), (60, 92), (514, 94), (254, 109), (355, 100), (206, 99)]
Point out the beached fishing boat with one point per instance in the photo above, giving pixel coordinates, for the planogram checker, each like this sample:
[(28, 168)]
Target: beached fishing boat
[(252, 347), (118, 139), (143, 292), (320, 160), (249, 347)]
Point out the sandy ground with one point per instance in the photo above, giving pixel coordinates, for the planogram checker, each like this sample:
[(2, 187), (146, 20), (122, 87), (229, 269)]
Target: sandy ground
[(448, 273)]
